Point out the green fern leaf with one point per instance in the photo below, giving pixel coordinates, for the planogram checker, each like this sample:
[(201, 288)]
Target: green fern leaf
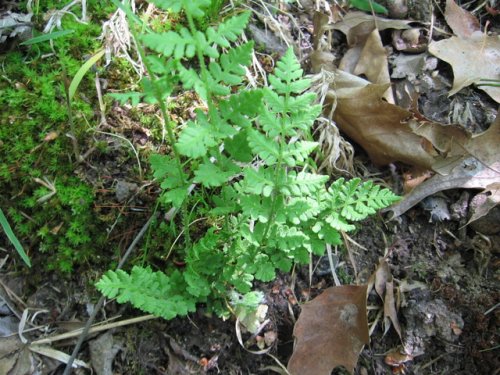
[(195, 140), (231, 68), (228, 31), (257, 181), (212, 175), (339, 223), (171, 43), (299, 210), (191, 79), (288, 67), (193, 7), (298, 152), (302, 183), (123, 98), (275, 102), (266, 148), (255, 208), (152, 292)]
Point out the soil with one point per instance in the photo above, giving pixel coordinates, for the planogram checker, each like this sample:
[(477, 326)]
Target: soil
[(446, 273)]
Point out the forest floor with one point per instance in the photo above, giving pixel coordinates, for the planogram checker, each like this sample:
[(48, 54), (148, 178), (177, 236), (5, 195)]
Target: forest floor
[(445, 268)]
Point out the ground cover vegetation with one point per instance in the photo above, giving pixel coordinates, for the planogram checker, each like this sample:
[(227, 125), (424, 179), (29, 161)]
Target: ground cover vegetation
[(221, 160), (247, 154), (50, 208)]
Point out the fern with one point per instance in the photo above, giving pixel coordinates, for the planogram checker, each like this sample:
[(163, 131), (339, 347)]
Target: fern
[(149, 291), (250, 150)]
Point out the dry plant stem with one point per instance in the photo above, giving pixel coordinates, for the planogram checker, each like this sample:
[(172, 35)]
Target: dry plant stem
[(94, 329), (98, 306)]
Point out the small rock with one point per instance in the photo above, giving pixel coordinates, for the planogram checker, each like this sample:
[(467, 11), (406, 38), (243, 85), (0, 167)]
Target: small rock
[(123, 190)]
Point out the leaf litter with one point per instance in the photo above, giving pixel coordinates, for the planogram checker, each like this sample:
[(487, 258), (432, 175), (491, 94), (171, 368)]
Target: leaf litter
[(431, 146)]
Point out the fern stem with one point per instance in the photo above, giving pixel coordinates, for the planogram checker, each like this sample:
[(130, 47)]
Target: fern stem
[(163, 108)]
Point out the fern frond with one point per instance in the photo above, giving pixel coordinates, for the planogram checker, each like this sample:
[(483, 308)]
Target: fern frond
[(195, 140), (191, 79), (152, 292), (254, 207), (266, 148), (228, 31), (122, 98), (356, 200), (339, 223), (177, 44), (299, 210), (302, 183), (297, 152), (212, 175), (194, 7), (257, 181), (231, 68)]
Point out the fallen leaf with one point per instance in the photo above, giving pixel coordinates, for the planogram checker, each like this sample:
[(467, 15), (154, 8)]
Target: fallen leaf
[(490, 200), (477, 168), (376, 125), (472, 59), (373, 63), (358, 25), (331, 331), (383, 282), (462, 23), (390, 312), (395, 358)]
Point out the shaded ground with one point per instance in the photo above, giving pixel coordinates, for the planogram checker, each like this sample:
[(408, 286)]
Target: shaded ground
[(447, 274)]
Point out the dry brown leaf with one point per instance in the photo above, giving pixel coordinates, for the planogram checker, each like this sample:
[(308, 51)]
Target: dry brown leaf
[(383, 282), (377, 126), (390, 312), (357, 26), (463, 23), (373, 63), (331, 331), (477, 168), (472, 59), (489, 202)]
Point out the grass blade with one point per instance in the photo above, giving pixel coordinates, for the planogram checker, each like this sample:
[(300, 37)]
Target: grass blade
[(45, 37), (81, 72), (12, 237)]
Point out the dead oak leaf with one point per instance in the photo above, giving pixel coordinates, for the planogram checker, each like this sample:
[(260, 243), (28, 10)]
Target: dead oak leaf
[(357, 26), (378, 126), (477, 168), (463, 23), (331, 331), (472, 59)]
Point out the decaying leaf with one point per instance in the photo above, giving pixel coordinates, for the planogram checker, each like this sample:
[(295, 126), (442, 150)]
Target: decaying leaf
[(358, 25), (376, 125), (473, 59), (383, 282), (477, 168), (463, 23), (373, 63), (490, 198), (330, 331), (473, 56)]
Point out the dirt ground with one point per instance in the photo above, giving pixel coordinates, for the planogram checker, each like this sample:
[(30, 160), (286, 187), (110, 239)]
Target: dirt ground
[(446, 273)]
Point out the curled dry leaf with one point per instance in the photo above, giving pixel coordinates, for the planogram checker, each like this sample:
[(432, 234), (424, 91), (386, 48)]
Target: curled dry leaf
[(373, 63), (376, 125), (382, 280), (331, 331)]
